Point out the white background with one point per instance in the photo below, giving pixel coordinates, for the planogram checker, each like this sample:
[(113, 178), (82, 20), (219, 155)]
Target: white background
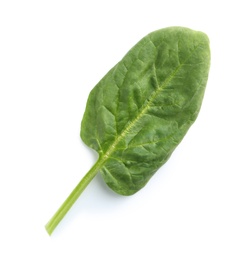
[(52, 53)]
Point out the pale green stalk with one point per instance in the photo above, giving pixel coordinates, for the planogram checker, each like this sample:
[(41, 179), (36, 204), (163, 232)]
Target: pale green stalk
[(74, 195)]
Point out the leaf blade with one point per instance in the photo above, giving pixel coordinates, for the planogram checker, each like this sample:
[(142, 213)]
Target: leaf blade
[(142, 108)]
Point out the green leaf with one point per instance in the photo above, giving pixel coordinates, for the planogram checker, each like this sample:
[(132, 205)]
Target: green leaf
[(139, 112)]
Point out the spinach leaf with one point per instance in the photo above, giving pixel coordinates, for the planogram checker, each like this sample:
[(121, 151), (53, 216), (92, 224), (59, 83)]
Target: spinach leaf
[(142, 108)]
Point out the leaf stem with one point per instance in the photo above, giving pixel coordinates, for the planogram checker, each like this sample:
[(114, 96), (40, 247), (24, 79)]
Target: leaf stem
[(74, 195)]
